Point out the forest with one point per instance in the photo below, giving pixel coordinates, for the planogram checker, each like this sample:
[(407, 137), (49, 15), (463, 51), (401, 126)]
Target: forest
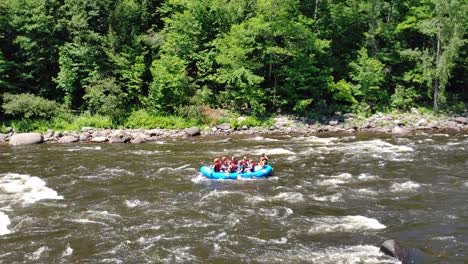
[(127, 59)]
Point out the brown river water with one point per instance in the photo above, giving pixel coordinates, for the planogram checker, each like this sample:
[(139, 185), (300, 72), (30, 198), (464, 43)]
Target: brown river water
[(332, 199)]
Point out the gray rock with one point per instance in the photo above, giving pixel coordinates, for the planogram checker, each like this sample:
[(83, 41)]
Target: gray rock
[(120, 136), (140, 138), (460, 120), (49, 133), (224, 126), (68, 139), (100, 139), (86, 129), (58, 134), (8, 130), (333, 122), (26, 139), (84, 136), (192, 131), (4, 137), (406, 255), (401, 130)]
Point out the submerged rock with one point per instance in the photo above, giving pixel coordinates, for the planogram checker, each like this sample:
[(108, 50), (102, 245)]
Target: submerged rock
[(406, 255)]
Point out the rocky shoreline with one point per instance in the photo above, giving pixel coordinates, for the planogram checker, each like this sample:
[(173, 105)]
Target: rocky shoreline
[(399, 124)]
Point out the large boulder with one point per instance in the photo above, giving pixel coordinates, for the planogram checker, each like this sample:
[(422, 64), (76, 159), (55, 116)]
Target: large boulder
[(99, 139), (224, 126), (460, 120), (406, 255), (4, 137), (120, 136), (68, 139), (193, 131), (139, 138), (26, 139)]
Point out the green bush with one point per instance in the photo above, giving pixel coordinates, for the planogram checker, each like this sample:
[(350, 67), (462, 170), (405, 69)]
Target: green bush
[(252, 121), (29, 106), (404, 98), (143, 119)]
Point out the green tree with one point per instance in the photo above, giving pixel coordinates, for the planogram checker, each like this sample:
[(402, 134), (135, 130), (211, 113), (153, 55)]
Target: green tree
[(271, 59), (368, 75), (444, 24)]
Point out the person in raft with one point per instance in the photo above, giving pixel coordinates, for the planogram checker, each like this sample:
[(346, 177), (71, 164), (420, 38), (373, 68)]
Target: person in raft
[(251, 166), (243, 164), (234, 164), (224, 164), (263, 161), (217, 165)]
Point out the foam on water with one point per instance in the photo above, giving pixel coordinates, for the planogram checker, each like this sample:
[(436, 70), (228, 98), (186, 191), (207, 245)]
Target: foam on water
[(367, 177), (291, 197), (273, 151), (135, 203), (317, 140), (37, 254), (374, 148), (259, 138), (332, 255), (68, 251), (4, 223), (87, 221), (344, 224), (405, 186), (26, 188), (81, 148), (329, 198), (352, 254)]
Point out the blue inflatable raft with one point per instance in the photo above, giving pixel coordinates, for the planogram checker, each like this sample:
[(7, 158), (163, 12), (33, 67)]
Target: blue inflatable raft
[(208, 172)]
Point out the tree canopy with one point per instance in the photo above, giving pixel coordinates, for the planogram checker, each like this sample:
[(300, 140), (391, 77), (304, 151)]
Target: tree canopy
[(114, 57)]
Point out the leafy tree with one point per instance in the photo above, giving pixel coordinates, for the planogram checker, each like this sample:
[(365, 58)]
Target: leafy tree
[(444, 24), (103, 96), (368, 75)]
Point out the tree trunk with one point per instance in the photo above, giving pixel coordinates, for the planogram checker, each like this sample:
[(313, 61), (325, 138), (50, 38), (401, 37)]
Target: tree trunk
[(437, 75)]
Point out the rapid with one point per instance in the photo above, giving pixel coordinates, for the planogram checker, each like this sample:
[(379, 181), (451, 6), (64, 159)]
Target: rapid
[(331, 199)]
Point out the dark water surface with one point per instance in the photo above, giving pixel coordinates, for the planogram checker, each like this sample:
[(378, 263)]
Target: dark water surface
[(330, 200)]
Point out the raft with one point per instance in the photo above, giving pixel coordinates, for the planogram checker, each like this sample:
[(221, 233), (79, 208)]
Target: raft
[(258, 173)]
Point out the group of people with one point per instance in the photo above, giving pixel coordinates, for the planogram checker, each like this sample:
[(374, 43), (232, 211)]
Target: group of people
[(238, 166)]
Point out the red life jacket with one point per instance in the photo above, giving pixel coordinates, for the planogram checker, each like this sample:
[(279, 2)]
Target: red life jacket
[(217, 167)]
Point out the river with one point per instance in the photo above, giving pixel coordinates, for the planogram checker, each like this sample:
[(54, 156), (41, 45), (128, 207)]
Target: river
[(332, 199)]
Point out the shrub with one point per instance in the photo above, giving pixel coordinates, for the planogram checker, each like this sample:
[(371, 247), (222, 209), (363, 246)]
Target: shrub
[(251, 121), (143, 119), (29, 106), (404, 98)]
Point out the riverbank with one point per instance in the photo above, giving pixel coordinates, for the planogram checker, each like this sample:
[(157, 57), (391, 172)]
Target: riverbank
[(400, 124)]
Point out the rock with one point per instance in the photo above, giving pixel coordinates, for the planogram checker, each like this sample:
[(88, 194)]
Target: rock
[(4, 137), (406, 255), (400, 130), (224, 126), (100, 139), (86, 129), (192, 131), (227, 140), (333, 122), (68, 139), (393, 249), (120, 136), (49, 133), (26, 139), (154, 132), (84, 136), (138, 139), (460, 120), (58, 134)]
